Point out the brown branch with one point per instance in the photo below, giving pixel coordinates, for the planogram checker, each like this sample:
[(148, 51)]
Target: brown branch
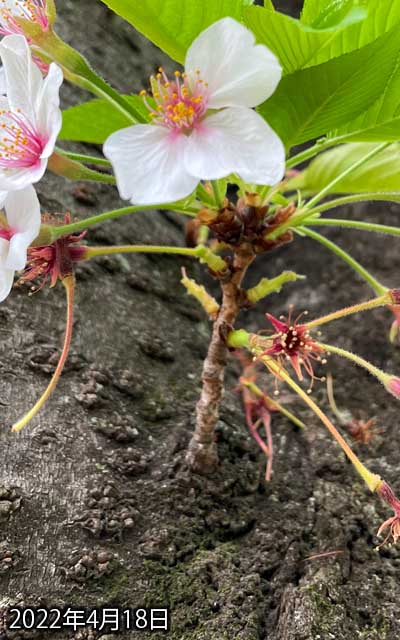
[(202, 455)]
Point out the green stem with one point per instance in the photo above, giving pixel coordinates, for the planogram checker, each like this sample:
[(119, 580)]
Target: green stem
[(238, 339), (381, 301), (77, 70), (63, 166), (95, 252), (81, 225), (355, 224), (304, 214), (388, 196), (201, 252), (217, 193), (371, 479), (345, 173), (377, 287), (276, 405), (81, 157), (361, 362), (310, 152)]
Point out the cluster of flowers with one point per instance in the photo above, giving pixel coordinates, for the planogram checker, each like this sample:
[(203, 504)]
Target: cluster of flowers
[(202, 127)]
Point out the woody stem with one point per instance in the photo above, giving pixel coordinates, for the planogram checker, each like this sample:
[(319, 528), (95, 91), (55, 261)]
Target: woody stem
[(202, 454)]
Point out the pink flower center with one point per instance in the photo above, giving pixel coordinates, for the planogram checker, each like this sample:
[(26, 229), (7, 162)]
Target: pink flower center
[(12, 10), (20, 144), (6, 233), (180, 104)]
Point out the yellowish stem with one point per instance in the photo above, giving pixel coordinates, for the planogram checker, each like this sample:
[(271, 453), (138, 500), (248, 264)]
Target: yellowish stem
[(371, 479), (69, 284), (347, 311)]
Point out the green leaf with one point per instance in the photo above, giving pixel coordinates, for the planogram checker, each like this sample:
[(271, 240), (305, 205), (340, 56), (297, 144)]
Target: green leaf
[(94, 121), (328, 14), (308, 102), (173, 24), (380, 174), (293, 43), (298, 45), (381, 121)]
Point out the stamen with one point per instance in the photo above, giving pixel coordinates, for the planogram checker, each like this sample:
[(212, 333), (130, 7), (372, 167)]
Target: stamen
[(20, 144), (179, 105), (31, 10)]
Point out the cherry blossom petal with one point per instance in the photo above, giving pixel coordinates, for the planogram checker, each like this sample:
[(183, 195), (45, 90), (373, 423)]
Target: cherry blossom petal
[(3, 84), (235, 140), (23, 215), (238, 71), (3, 198), (23, 78), (49, 118), (6, 275), (148, 162), (19, 178)]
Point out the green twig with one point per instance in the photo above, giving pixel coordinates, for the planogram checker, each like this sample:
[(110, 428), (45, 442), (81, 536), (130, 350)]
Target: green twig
[(343, 255), (81, 157), (354, 224)]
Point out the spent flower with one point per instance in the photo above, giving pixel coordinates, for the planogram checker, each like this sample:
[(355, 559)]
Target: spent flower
[(203, 123), (293, 342), (393, 524), (54, 261)]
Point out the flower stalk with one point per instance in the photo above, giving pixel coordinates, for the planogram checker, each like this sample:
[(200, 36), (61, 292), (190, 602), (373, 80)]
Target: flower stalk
[(346, 257), (380, 301), (50, 47), (205, 255), (372, 480), (69, 284), (63, 166)]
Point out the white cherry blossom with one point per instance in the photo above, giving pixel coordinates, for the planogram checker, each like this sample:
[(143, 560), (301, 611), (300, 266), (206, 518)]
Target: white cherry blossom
[(30, 115), (31, 10), (203, 124), (19, 226)]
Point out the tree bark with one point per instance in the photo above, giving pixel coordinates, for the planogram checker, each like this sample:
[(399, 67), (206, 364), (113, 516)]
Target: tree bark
[(97, 504)]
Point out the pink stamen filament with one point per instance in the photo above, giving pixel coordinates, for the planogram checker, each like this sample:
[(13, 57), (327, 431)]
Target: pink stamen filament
[(20, 145), (6, 233), (69, 284), (179, 106), (31, 10)]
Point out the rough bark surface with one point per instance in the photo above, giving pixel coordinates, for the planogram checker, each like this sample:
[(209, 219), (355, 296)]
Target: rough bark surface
[(202, 455), (96, 502)]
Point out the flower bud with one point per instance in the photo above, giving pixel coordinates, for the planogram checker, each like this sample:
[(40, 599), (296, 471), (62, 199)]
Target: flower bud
[(394, 332), (392, 384), (395, 328)]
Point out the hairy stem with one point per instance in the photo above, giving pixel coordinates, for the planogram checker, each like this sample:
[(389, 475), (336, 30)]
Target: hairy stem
[(202, 455), (371, 479), (204, 254), (355, 224)]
